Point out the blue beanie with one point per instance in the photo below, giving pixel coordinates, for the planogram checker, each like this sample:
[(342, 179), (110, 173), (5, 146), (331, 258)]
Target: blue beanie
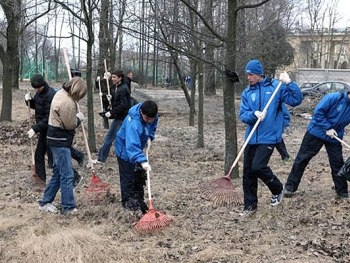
[(254, 67)]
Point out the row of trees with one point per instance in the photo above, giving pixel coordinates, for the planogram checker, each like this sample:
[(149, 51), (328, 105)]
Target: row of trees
[(199, 38)]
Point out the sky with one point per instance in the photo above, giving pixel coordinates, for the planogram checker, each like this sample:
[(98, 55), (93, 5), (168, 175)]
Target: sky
[(344, 12)]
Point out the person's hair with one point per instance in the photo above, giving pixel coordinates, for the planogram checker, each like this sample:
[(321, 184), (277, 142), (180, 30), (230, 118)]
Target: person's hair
[(76, 88), (149, 108), (118, 73)]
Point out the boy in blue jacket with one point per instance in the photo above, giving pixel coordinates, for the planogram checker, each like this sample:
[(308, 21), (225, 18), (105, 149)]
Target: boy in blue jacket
[(138, 130), (281, 146), (267, 134), (331, 116)]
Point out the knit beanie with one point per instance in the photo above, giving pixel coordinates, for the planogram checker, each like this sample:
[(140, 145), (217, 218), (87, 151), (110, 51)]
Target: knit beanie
[(254, 67), (37, 81)]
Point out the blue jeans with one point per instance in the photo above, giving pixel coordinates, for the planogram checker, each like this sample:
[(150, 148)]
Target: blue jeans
[(108, 140), (63, 178)]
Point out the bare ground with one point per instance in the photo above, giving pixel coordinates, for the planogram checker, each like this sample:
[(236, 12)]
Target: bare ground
[(311, 227)]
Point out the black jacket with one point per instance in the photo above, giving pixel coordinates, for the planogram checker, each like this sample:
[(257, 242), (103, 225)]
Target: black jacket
[(120, 102), (41, 103)]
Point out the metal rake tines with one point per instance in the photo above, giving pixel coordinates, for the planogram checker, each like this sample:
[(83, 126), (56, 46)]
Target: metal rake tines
[(222, 192), (220, 198)]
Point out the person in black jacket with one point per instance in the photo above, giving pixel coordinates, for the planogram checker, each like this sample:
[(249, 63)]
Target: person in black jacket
[(41, 104), (120, 105)]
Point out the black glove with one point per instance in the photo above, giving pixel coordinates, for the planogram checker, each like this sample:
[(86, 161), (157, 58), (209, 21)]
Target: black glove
[(345, 170), (232, 75), (102, 114)]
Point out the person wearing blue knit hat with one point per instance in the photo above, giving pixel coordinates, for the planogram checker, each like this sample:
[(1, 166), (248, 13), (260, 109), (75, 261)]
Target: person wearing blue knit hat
[(254, 67), (267, 134)]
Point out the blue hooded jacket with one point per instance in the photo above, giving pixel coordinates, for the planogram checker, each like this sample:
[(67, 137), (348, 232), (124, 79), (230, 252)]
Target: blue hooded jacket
[(133, 135), (254, 98), (332, 112)]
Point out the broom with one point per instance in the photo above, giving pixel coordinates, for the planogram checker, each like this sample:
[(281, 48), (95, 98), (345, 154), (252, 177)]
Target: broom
[(153, 220), (221, 191), (96, 185)]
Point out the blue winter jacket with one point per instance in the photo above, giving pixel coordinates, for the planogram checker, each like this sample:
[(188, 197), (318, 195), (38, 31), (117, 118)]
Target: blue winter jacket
[(332, 112), (254, 98), (285, 119), (133, 135)]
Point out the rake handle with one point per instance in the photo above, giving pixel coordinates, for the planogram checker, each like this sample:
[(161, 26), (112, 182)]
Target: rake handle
[(253, 130), (78, 107), (341, 141), (107, 81), (148, 179)]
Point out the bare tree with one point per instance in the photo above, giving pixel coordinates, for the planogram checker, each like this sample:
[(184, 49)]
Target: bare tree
[(9, 52), (84, 14)]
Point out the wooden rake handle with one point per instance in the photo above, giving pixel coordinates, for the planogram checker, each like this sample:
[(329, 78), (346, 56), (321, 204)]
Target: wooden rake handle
[(65, 55), (253, 130), (341, 141)]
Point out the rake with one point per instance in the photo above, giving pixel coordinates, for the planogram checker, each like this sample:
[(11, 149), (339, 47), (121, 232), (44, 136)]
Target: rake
[(153, 220), (96, 186), (221, 191), (35, 176)]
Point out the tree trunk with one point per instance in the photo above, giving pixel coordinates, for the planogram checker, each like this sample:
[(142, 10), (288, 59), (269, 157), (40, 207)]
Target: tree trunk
[(229, 92), (11, 64)]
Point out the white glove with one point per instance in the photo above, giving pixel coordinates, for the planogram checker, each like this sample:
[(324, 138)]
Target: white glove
[(98, 78), (106, 75), (260, 114), (331, 133), (28, 96), (146, 166), (108, 114), (284, 77), (30, 133), (80, 116), (109, 97)]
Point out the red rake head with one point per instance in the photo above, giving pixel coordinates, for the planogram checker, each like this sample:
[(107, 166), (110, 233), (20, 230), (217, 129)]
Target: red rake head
[(96, 185), (222, 192), (153, 221)]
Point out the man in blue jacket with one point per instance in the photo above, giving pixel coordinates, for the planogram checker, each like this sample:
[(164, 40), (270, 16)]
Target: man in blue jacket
[(281, 146), (331, 116), (267, 134), (138, 130)]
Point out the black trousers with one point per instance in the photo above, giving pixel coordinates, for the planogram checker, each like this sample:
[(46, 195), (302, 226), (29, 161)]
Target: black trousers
[(40, 151), (131, 187), (256, 158), (309, 147), (282, 149)]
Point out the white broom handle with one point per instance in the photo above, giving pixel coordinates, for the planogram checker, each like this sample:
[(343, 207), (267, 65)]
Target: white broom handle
[(254, 128), (341, 141)]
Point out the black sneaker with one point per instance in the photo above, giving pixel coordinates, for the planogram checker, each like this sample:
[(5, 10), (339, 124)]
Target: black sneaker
[(343, 195), (288, 193), (77, 178), (277, 199), (247, 212), (143, 207)]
